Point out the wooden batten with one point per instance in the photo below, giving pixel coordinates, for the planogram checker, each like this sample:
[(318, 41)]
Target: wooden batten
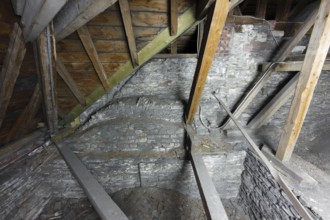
[(87, 41), (76, 13), (313, 63), (215, 23), (10, 69), (127, 20)]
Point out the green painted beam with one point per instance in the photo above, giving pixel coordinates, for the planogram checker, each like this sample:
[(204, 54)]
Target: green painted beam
[(185, 21)]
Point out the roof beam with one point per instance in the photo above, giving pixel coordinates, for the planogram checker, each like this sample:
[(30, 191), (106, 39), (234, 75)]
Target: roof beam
[(174, 17), (46, 63), (282, 54), (37, 15), (213, 28), (127, 20), (293, 66), (76, 13), (311, 70), (65, 75), (89, 46), (27, 115), (10, 69), (18, 6)]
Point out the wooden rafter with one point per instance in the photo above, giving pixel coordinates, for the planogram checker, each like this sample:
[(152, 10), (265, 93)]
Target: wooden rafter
[(27, 115), (128, 26), (315, 57), (261, 9), (174, 17), (215, 23), (65, 75), (37, 15), (46, 63), (76, 13), (282, 54), (10, 69), (87, 41)]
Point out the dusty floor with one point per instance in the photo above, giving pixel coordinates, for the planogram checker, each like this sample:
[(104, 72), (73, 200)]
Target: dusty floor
[(139, 204)]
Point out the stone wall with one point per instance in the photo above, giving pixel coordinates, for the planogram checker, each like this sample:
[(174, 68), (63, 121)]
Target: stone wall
[(262, 197)]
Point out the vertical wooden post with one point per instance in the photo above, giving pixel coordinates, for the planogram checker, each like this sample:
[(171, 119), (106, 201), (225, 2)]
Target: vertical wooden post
[(174, 17), (313, 63), (46, 56), (215, 24)]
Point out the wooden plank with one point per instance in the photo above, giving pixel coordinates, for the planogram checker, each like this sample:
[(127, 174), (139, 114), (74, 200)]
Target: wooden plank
[(186, 20), (105, 207), (27, 115), (46, 72), (261, 9), (282, 54), (275, 104), (293, 66), (315, 57), (12, 152), (38, 15), (283, 10), (76, 13), (213, 28), (18, 6), (211, 201), (92, 54), (127, 20), (174, 17), (65, 75), (10, 69)]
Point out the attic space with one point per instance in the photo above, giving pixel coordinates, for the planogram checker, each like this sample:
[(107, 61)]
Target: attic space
[(164, 109)]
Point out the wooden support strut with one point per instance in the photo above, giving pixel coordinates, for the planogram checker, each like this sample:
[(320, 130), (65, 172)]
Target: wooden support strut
[(280, 56), (46, 55), (65, 75), (261, 9), (87, 41), (313, 63), (128, 26), (210, 42), (99, 198), (10, 69), (293, 199)]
